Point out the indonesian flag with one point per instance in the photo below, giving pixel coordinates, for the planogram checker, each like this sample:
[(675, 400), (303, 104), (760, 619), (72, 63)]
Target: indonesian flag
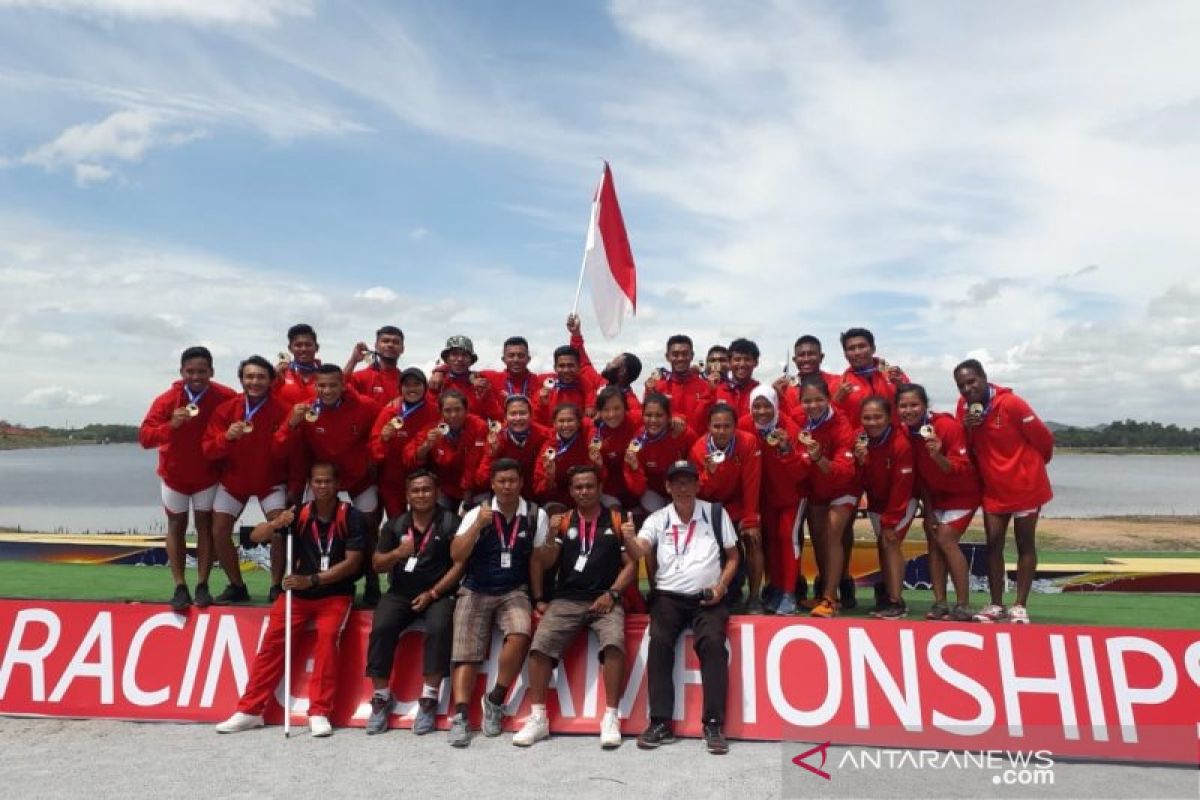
[(609, 261)]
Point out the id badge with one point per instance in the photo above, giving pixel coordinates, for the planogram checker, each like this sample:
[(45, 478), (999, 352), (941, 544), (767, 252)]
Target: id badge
[(324, 563), (410, 564), (580, 563), (506, 561)]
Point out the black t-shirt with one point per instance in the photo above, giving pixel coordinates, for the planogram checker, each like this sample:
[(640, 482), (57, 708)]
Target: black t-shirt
[(315, 538), (603, 559), (433, 556)]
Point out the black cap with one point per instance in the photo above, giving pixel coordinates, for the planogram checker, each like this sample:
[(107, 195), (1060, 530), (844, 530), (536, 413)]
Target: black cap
[(682, 467), (413, 372)]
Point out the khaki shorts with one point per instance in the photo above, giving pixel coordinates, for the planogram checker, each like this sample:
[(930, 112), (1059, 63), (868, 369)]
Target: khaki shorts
[(564, 619), (474, 614)]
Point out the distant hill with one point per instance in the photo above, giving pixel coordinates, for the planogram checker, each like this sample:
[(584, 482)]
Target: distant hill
[(1127, 434), (17, 437)]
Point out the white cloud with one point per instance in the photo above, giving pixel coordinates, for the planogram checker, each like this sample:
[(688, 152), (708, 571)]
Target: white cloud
[(123, 136), (378, 294), (52, 397), (417, 234), (255, 12)]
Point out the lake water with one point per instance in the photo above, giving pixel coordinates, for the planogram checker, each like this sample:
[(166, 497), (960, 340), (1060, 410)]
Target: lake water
[(114, 488)]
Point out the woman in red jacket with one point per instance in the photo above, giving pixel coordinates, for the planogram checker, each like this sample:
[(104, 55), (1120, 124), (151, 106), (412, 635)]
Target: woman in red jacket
[(948, 487), (519, 438), (652, 451), (828, 442), (402, 419), (885, 460), (1011, 448), (730, 465), (569, 446), (614, 429), (240, 441), (452, 448), (782, 498)]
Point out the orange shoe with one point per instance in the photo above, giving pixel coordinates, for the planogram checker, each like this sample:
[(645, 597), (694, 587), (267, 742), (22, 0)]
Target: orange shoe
[(810, 603), (824, 609)]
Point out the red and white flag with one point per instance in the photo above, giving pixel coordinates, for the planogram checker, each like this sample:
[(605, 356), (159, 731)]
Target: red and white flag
[(609, 260)]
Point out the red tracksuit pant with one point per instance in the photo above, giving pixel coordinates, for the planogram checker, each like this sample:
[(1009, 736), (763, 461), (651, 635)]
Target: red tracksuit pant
[(330, 615), (781, 531)]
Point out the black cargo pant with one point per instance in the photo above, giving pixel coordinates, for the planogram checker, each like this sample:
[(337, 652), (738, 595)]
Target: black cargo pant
[(669, 615), (395, 613)]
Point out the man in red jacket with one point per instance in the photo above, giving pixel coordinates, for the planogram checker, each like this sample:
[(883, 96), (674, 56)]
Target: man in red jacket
[(175, 425), (336, 427), (1011, 447), (690, 394), (567, 385), (380, 381), (515, 378), (808, 355), (743, 359), (621, 372), (296, 372), (458, 356)]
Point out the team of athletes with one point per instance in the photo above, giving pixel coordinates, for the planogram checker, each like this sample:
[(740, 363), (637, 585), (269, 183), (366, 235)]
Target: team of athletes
[(802, 452)]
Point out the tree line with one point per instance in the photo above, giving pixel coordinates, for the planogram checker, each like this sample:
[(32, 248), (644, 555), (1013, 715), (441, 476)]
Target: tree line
[(1129, 433)]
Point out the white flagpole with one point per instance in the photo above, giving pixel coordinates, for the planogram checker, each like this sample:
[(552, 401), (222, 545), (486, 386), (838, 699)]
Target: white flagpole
[(287, 647), (587, 245)]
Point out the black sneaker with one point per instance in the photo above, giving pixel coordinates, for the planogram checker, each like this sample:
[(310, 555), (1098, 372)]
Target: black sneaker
[(381, 712), (846, 593), (714, 739), (234, 593), (204, 597), (658, 733), (181, 599), (273, 594), (896, 609)]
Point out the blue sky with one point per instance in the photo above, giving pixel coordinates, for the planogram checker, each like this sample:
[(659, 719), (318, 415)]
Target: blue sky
[(1016, 183)]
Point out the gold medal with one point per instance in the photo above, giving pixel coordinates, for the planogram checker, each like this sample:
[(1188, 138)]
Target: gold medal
[(313, 415), (549, 383), (718, 457), (775, 437), (494, 426), (443, 428), (635, 446), (927, 432), (863, 438), (976, 409), (284, 357), (805, 438), (247, 427), (397, 423), (193, 409), (550, 453)]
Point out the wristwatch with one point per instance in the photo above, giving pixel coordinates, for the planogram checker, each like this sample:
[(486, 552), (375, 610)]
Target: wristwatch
[(614, 594), (314, 580)]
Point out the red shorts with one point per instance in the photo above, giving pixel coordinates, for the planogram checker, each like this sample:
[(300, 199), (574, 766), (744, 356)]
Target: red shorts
[(901, 527), (959, 519)]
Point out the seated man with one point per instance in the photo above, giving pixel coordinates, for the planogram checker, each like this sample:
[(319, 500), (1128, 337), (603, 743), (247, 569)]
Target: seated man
[(496, 540), (414, 549), (330, 537), (593, 571), (696, 549)]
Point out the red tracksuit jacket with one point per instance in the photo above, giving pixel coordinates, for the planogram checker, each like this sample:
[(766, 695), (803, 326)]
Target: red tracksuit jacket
[(581, 394), (525, 453), (691, 396), (735, 395), (547, 489), (862, 387), (737, 481), (504, 384), (254, 464), (653, 458), (378, 383), (456, 458), (588, 372), (489, 406), (888, 478), (836, 438), (181, 461), (957, 489), (1011, 449), (293, 386), (390, 455), (613, 444), (784, 475), (340, 436), (789, 400)]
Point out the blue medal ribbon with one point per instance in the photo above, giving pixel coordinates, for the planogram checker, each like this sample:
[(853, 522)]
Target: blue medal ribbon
[(195, 399), (813, 424), (727, 450), (250, 412), (882, 438), (561, 446)]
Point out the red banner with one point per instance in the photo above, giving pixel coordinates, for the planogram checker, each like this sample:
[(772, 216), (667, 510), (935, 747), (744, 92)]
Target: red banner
[(1124, 694)]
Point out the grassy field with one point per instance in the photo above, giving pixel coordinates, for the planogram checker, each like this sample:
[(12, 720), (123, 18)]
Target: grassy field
[(153, 584)]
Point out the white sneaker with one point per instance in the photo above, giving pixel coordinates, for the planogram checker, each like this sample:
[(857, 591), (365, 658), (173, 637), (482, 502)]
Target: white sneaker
[(319, 726), (240, 722), (610, 731), (1018, 615), (991, 613), (535, 729)]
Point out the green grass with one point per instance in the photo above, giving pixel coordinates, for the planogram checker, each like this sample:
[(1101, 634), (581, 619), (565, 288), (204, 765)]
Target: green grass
[(23, 579)]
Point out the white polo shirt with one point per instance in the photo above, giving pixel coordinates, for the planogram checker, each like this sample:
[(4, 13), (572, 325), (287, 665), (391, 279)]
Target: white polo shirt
[(541, 526), (687, 567)]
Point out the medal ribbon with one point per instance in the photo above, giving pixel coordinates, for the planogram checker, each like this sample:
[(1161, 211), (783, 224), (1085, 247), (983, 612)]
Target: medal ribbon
[(250, 412), (195, 398), (561, 446), (813, 424), (728, 449)]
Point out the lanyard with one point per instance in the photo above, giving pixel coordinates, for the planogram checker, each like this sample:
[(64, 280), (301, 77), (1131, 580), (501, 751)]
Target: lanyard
[(691, 529), (562, 446), (813, 424), (407, 411), (518, 437), (296, 366), (915, 430), (883, 437), (511, 390), (250, 412), (507, 538), (586, 541), (420, 545), (327, 547), (195, 399), (645, 438)]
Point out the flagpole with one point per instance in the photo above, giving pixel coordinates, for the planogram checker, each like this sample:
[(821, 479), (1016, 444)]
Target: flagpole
[(587, 243)]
